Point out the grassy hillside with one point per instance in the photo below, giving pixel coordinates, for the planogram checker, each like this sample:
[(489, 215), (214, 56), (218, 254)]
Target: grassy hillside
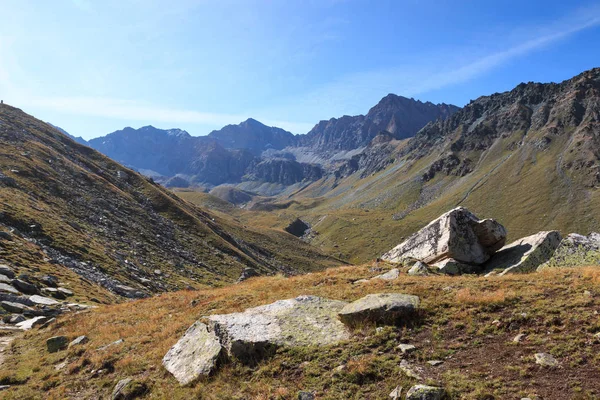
[(69, 208), (467, 322)]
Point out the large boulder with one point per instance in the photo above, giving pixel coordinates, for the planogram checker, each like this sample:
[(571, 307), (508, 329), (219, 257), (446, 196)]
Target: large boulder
[(194, 355), (526, 254), (576, 249), (457, 234), (257, 332), (380, 308), (25, 287)]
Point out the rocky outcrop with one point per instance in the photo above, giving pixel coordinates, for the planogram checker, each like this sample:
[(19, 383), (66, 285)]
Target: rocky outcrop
[(526, 254), (387, 308), (576, 249), (282, 171), (457, 234), (194, 355), (257, 332)]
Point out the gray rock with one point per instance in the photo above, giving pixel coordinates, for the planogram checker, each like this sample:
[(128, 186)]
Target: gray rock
[(4, 387), (15, 299), (15, 307), (396, 394), (7, 271), (456, 234), (419, 269), (65, 291), (450, 266), (303, 321), (78, 341), (306, 396), (115, 343), (57, 343), (5, 236), (424, 392), (247, 273), (128, 389), (45, 301), (49, 280), (435, 363), (5, 279), (6, 288), (31, 323), (15, 319), (47, 323), (406, 348), (526, 254), (54, 293), (546, 360), (24, 287), (519, 338), (390, 275), (409, 370), (129, 292), (380, 308), (194, 355), (575, 250)]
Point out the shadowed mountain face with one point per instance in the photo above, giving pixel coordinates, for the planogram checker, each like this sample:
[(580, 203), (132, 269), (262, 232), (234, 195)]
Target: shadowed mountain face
[(397, 115), (70, 210)]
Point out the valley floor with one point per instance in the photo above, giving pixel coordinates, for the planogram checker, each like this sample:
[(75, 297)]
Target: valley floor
[(469, 323)]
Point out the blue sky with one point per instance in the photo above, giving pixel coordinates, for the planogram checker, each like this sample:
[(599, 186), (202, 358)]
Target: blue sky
[(93, 67)]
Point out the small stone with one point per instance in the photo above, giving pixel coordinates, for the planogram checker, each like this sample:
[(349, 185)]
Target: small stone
[(15, 319), (546, 360), (424, 392), (47, 323), (80, 340), (340, 368), (56, 343), (49, 280), (419, 269), (396, 393), (409, 370), (361, 281), (4, 387), (7, 271), (54, 293), (435, 363), (45, 301), (5, 236), (24, 287), (390, 275), (406, 348), (157, 272), (6, 288), (128, 389), (17, 308), (496, 322), (31, 323), (115, 343), (306, 396), (519, 338), (587, 293), (64, 291)]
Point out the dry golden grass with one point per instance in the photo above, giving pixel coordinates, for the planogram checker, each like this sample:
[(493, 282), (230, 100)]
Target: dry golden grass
[(457, 312)]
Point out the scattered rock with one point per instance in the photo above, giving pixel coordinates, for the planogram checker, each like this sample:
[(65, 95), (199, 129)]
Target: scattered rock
[(15, 319), (80, 340), (435, 363), (46, 301), (406, 348), (450, 266), (424, 392), (247, 273), (361, 281), (7, 271), (380, 308), (65, 291), (396, 394), (519, 338), (57, 343), (526, 254), (24, 287), (303, 321), (129, 292), (194, 355), (409, 371), (17, 308), (5, 279), (457, 234), (128, 389), (306, 396), (54, 293), (157, 272), (390, 275), (419, 269), (31, 323), (6, 288), (546, 360), (49, 280), (115, 343), (47, 323), (4, 387)]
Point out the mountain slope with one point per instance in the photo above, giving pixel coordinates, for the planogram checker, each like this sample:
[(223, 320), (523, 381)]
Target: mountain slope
[(528, 157), (71, 208)]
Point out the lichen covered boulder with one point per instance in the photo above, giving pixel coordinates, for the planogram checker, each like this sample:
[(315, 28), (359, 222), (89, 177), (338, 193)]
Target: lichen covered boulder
[(457, 234), (194, 355), (388, 308), (424, 392), (257, 332), (526, 254)]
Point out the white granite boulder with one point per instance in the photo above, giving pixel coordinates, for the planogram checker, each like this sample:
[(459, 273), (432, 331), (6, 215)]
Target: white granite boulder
[(380, 308)]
